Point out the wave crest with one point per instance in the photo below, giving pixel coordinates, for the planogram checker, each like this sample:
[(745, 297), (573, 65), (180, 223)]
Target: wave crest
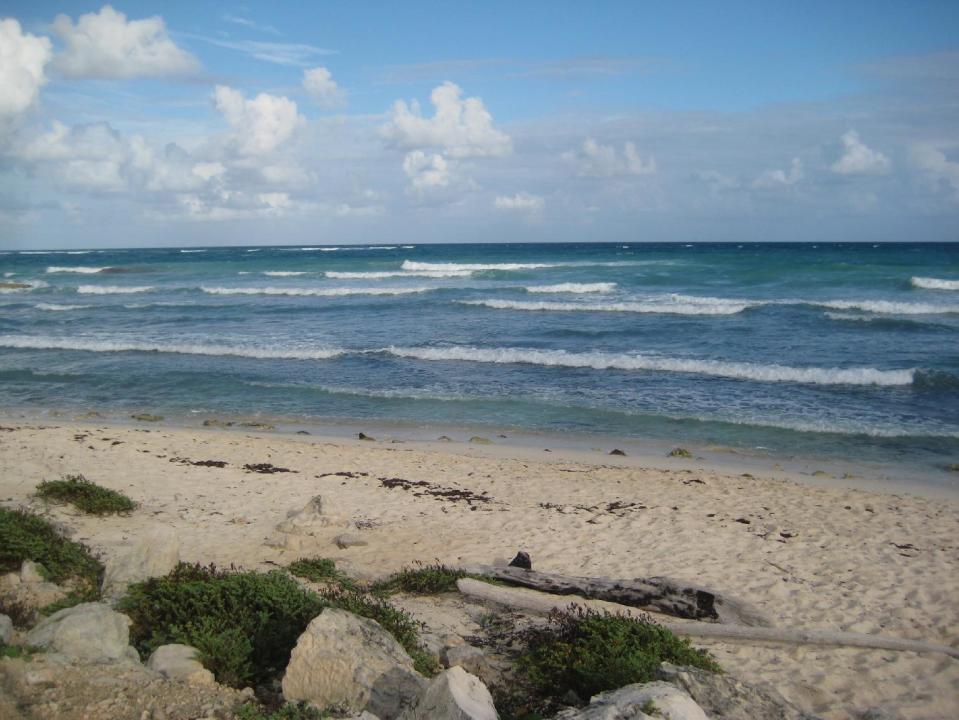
[(113, 289), (666, 306), (83, 270), (599, 287), (930, 283), (314, 292)]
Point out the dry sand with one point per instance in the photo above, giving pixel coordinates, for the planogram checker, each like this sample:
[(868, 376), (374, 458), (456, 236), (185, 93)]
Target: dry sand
[(807, 556)]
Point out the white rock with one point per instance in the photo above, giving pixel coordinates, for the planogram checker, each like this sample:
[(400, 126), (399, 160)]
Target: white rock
[(671, 704), (30, 572), (155, 552), (179, 662), (6, 629), (348, 540), (90, 632), (342, 659), (453, 695)]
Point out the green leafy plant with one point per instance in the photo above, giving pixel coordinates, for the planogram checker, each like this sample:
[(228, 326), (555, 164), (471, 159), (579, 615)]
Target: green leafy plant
[(426, 580), (589, 652), (287, 711), (24, 536), (320, 570), (85, 495), (245, 624)]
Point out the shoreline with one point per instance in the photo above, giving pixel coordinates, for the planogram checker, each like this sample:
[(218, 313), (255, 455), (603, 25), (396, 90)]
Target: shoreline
[(520, 443)]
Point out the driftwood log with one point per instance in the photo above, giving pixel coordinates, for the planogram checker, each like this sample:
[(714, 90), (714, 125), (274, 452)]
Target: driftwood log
[(671, 597), (531, 600)]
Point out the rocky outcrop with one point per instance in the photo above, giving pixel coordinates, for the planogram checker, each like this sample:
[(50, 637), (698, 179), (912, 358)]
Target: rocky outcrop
[(28, 591), (156, 552), (453, 695), (722, 695), (90, 632), (345, 660), (643, 701), (179, 662)]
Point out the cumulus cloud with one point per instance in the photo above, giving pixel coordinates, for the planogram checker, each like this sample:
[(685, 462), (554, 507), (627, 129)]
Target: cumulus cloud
[(427, 171), (858, 159), (321, 86), (597, 160), (107, 45), (23, 58), (938, 173), (461, 127), (520, 201), (259, 125), (771, 179)]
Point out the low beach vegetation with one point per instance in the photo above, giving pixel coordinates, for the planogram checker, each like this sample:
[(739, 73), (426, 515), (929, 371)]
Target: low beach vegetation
[(320, 570), (579, 653), (85, 495), (287, 711), (425, 580), (24, 536)]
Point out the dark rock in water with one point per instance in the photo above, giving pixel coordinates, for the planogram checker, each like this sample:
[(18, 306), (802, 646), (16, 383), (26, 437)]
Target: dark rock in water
[(680, 452), (302, 432), (147, 417), (364, 436), (14, 286), (444, 438), (617, 451), (522, 560)]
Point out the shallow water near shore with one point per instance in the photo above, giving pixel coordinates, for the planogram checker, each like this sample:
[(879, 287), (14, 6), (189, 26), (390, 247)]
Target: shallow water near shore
[(832, 352)]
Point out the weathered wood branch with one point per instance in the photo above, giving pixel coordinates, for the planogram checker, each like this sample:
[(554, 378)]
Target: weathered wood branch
[(664, 595), (531, 600)]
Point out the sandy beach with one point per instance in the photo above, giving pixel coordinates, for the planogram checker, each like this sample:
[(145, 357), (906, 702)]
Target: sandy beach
[(813, 557)]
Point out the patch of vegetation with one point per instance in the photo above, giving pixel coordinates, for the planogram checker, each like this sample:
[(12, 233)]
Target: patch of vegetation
[(589, 652), (426, 580), (649, 708), (680, 452), (14, 651), (287, 711), (396, 622), (73, 598), (85, 495), (24, 536), (320, 570), (244, 624)]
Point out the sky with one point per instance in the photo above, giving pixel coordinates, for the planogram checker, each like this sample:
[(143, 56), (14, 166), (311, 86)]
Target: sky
[(205, 123)]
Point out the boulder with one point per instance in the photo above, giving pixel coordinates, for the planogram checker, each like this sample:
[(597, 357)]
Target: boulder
[(179, 662), (453, 695), (666, 701), (6, 629), (31, 572), (348, 540), (345, 660), (722, 695), (28, 591), (90, 632), (156, 552)]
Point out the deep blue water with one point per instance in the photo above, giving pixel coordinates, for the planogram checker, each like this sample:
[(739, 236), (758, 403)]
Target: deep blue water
[(845, 350)]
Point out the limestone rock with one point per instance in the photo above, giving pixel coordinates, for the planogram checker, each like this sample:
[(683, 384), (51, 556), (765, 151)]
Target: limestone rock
[(670, 703), (179, 662), (6, 629), (30, 572), (726, 697), (342, 659), (90, 632), (155, 553), (28, 590), (348, 540), (453, 695)]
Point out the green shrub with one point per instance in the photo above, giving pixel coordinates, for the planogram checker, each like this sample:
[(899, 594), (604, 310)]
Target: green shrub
[(287, 711), (245, 624), (14, 651), (426, 580), (24, 536), (589, 652), (85, 495), (320, 570)]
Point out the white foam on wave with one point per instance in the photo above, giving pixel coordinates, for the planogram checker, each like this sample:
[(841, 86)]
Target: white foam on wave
[(79, 269), (193, 251), (663, 306), (577, 288), (284, 273), (113, 289), (887, 307), (53, 307), (95, 345), (472, 267), (254, 250), (381, 247), (407, 247), (625, 361), (385, 274), (37, 252), (318, 292), (79, 252), (930, 283)]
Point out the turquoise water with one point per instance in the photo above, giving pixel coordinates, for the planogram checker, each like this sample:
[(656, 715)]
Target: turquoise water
[(847, 350)]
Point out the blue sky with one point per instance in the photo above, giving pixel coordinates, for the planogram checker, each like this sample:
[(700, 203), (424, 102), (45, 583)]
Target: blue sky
[(204, 123)]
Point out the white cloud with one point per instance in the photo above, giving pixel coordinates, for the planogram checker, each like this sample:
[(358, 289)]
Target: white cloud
[(426, 171), (519, 201), (259, 125), (321, 86), (780, 178), (106, 45), (937, 171), (858, 159), (596, 160), (460, 127), (23, 58)]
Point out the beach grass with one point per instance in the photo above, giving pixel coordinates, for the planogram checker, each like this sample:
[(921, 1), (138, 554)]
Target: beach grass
[(85, 495)]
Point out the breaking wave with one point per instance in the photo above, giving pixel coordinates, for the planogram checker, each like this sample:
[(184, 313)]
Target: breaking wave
[(600, 287), (285, 273), (318, 292), (472, 267), (53, 307), (113, 289), (384, 274), (929, 283), (887, 307), (84, 270), (671, 306), (624, 361)]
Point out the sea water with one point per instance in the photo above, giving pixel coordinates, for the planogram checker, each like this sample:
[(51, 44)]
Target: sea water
[(835, 350)]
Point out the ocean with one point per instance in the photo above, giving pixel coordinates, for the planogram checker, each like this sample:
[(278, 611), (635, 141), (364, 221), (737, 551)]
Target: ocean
[(822, 350)]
